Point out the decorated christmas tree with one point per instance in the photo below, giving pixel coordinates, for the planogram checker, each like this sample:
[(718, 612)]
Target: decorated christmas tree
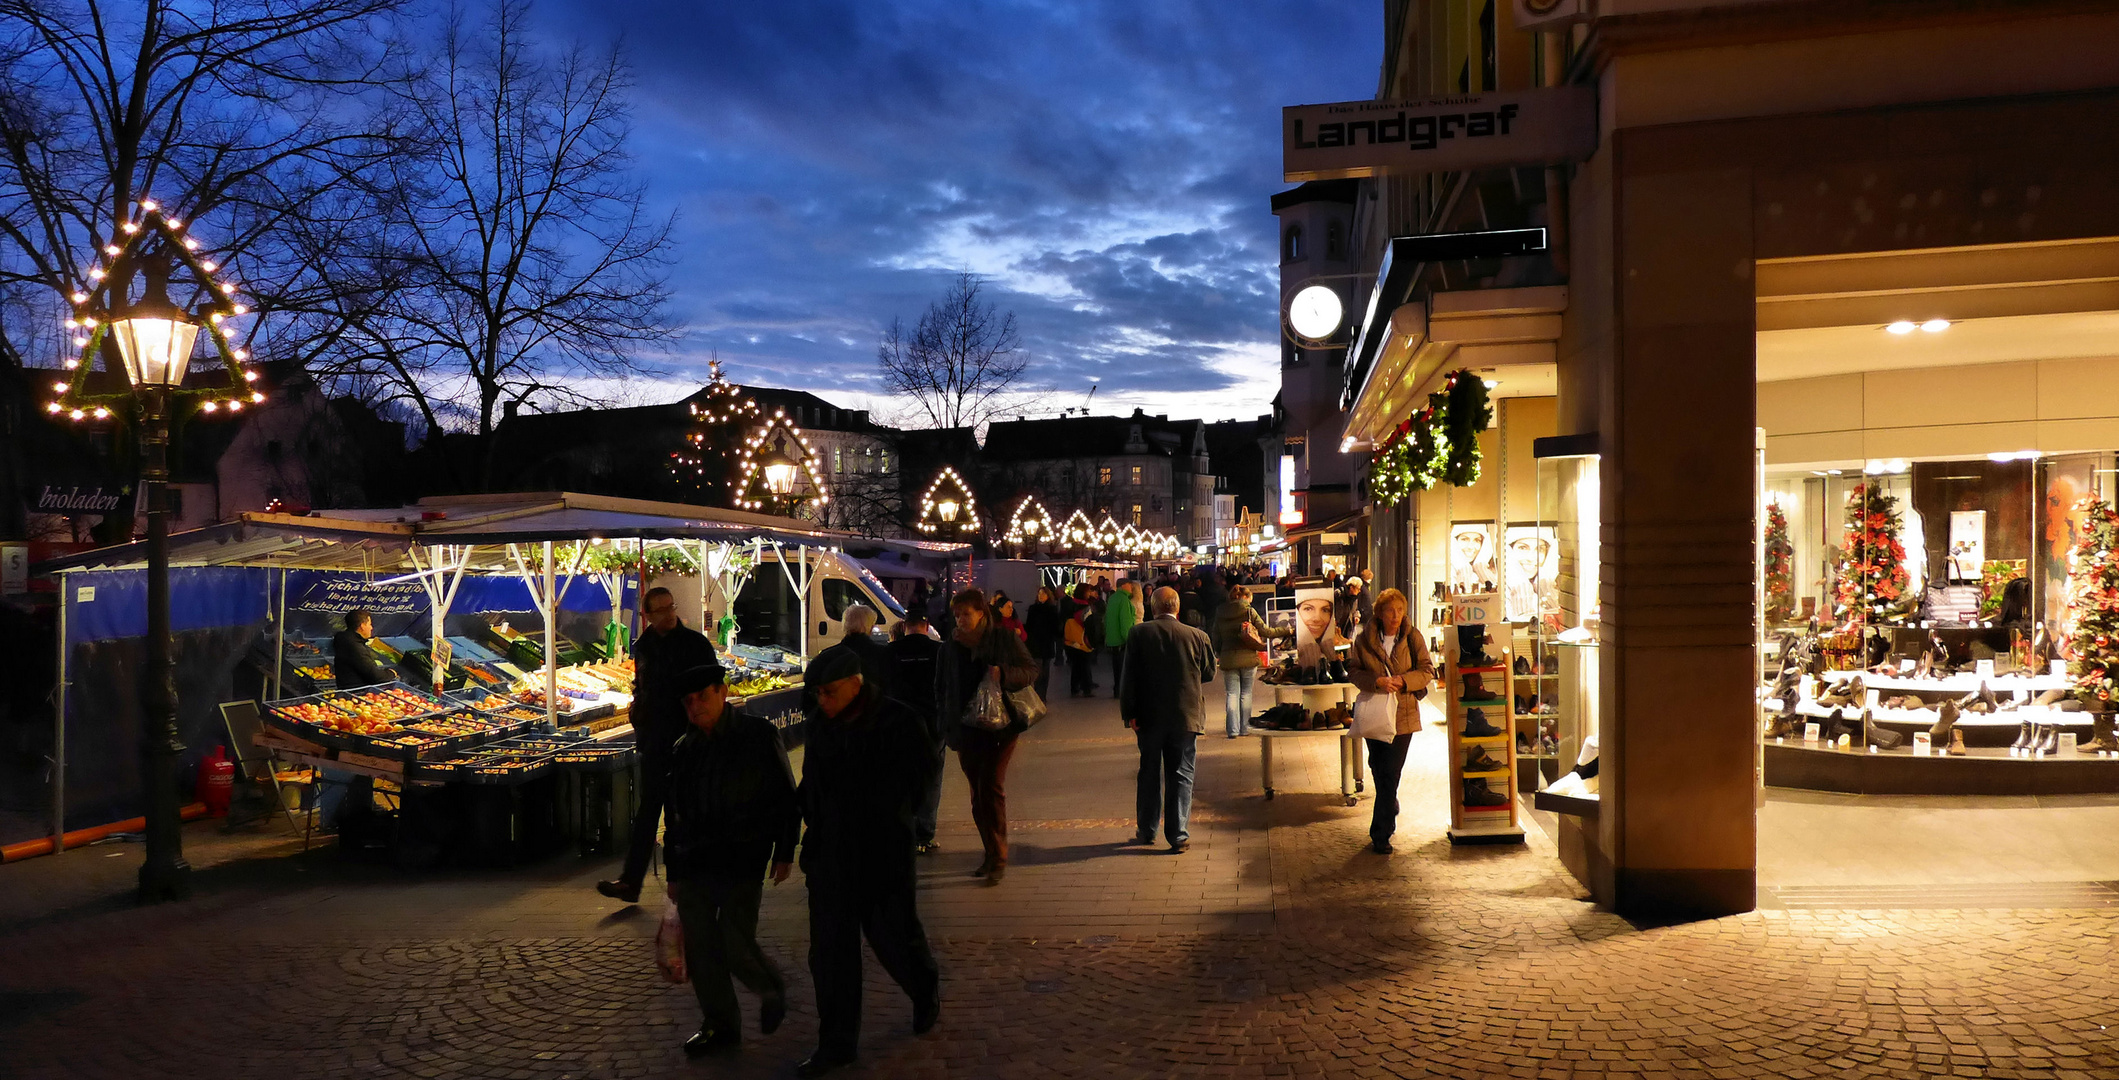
[(1872, 563), (2093, 607), (723, 418), (1780, 567)]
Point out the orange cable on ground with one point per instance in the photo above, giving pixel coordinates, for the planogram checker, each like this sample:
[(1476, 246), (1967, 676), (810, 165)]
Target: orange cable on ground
[(83, 837)]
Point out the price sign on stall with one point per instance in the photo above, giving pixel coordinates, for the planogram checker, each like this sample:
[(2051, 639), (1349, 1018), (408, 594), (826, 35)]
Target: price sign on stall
[(1473, 608), (443, 653)]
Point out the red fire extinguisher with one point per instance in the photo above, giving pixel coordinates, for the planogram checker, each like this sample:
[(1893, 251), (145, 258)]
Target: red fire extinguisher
[(216, 782)]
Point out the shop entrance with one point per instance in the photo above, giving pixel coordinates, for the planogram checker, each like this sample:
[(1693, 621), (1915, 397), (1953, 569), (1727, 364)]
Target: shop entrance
[(1937, 463)]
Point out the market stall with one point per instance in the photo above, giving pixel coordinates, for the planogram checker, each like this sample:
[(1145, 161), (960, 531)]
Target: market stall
[(506, 619)]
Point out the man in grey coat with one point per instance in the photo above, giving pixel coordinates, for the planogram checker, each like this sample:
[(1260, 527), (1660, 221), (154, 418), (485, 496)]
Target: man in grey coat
[(1161, 698)]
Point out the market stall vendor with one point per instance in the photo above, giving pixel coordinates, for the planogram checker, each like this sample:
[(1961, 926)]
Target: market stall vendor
[(353, 660), (661, 656)]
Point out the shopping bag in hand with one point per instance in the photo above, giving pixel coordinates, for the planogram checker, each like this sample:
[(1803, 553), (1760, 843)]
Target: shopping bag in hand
[(988, 708), (669, 945)]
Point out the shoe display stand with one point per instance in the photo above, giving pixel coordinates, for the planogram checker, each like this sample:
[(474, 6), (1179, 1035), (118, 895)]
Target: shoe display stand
[(1535, 680), (1483, 806), (1319, 697)]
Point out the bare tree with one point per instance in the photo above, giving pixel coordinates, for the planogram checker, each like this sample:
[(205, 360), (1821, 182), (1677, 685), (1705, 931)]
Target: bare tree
[(529, 258), (232, 112), (960, 360)]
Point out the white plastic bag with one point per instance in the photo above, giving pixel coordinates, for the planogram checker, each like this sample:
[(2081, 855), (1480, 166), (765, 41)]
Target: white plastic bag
[(669, 945), (1376, 716), (988, 708)]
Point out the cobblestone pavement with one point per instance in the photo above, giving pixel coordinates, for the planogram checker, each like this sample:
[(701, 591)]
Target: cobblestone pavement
[(1278, 947)]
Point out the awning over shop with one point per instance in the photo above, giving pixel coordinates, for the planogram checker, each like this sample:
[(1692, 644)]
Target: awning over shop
[(1342, 523), (1512, 333), (379, 540)]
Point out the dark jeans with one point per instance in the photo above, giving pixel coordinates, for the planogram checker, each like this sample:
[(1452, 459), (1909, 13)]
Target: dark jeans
[(654, 787), (1081, 671), (929, 809), (1118, 668), (841, 910), (984, 756), (1044, 678), (1168, 753), (1386, 764), (719, 906)]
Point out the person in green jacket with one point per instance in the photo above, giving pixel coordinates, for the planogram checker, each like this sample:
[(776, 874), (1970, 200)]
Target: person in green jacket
[(1119, 618), (1238, 661)]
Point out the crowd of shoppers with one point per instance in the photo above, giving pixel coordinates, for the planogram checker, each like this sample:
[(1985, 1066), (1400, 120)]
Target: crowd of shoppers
[(881, 719)]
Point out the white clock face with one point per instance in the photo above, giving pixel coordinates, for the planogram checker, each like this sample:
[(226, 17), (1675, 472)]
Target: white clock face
[(1315, 312)]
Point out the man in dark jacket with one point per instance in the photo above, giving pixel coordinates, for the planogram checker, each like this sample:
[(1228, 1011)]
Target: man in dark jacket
[(913, 657), (353, 660), (1166, 664), (863, 770), (731, 815), (661, 655), (877, 668)]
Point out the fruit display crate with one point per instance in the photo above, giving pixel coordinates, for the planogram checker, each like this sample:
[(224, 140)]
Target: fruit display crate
[(395, 702), (595, 758)]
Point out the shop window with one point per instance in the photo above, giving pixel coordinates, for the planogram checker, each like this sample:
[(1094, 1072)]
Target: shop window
[(1291, 245), (840, 595), (1103, 476)]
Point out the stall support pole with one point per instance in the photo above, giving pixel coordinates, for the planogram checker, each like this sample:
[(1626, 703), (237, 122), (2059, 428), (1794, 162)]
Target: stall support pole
[(164, 875), (66, 600), (802, 598), (551, 640), (279, 644), (705, 579)]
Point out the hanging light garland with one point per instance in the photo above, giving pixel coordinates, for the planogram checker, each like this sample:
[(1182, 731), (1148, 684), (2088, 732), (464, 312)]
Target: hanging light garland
[(1030, 523), (1107, 535), (94, 304), (1439, 444), (948, 505)]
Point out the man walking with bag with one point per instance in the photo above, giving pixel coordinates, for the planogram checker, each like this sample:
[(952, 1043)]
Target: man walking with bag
[(1391, 667), (732, 814), (1161, 698)]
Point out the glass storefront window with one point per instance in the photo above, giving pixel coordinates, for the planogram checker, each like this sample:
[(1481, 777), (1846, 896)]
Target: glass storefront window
[(1567, 629)]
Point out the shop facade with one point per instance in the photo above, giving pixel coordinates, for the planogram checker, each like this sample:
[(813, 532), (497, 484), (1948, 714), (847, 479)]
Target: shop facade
[(1820, 255)]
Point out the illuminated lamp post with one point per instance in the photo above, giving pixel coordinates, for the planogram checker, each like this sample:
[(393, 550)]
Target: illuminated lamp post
[(154, 338), (780, 470)]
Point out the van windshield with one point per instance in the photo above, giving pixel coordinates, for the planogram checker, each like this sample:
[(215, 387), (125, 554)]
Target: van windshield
[(875, 586)]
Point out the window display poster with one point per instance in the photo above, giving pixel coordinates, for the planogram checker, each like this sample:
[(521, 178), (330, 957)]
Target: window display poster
[(2067, 481), (1316, 636), (1471, 556), (1968, 545), (1533, 572), (1280, 619)]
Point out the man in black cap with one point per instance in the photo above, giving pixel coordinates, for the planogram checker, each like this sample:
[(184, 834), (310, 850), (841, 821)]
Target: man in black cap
[(731, 814), (864, 769), (665, 650), (914, 657)]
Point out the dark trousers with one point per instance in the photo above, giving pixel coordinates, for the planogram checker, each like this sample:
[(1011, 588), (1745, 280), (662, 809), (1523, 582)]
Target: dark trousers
[(654, 787), (1044, 678), (1081, 671), (719, 906), (929, 809), (842, 908), (1168, 754), (1118, 669), (1386, 764), (984, 756)]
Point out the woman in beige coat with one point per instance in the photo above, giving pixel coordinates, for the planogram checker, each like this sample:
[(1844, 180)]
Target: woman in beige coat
[(1390, 657)]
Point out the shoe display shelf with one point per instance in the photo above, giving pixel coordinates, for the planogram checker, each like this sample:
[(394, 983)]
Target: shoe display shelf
[(1534, 674), (1482, 729), (2014, 694), (1314, 698)]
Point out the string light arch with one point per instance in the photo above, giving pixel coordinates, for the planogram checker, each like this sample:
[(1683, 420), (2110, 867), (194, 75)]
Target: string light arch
[(775, 435), (1108, 534), (1030, 523), (1077, 531), (94, 306), (948, 505)]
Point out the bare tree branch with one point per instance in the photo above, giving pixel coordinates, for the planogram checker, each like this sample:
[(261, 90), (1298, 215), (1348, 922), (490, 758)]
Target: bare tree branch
[(958, 362)]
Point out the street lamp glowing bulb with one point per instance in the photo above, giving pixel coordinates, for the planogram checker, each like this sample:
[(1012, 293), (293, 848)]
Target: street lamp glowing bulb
[(948, 509), (1316, 312)]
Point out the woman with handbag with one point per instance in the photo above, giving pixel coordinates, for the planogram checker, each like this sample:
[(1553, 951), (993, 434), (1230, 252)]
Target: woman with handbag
[(1391, 667), (1075, 634), (979, 646), (1240, 634)]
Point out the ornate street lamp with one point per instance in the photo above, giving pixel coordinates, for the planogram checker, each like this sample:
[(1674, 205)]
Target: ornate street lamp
[(780, 470), (948, 505)]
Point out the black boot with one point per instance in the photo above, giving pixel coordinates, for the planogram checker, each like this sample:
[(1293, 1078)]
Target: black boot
[(2023, 737), (1471, 646), (2051, 743), (1476, 727)]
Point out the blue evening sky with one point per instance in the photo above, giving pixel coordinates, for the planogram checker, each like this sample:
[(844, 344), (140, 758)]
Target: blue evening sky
[(1106, 164)]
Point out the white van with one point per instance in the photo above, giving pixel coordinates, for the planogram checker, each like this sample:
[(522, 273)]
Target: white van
[(767, 612)]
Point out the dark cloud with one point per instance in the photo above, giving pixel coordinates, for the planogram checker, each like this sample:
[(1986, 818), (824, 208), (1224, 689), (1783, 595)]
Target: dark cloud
[(1105, 162)]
